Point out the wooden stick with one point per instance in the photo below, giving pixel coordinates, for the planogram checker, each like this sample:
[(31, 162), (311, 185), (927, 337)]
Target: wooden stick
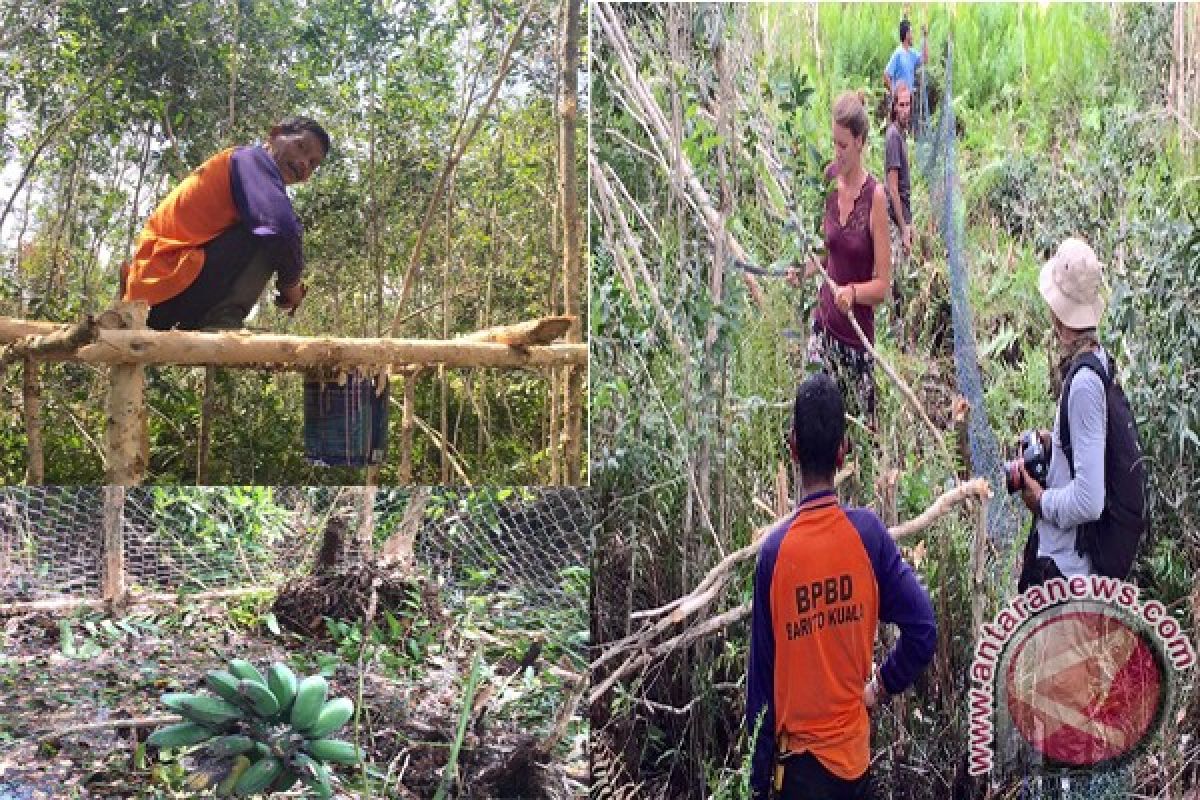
[(407, 423), (188, 348), (131, 722), (132, 599), (57, 343), (566, 713), (207, 413), (523, 334)]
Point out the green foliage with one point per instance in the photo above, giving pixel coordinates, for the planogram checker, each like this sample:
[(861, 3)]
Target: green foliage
[(110, 104), (684, 442)]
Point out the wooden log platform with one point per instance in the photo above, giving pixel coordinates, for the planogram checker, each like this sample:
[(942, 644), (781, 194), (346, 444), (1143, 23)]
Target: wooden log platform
[(503, 347)]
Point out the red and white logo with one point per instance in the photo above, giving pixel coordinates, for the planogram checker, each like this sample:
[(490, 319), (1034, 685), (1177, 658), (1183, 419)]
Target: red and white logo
[(1083, 687), (1080, 668)]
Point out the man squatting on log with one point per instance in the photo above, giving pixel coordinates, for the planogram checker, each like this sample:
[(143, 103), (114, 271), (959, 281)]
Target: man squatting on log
[(212, 244), (826, 577)]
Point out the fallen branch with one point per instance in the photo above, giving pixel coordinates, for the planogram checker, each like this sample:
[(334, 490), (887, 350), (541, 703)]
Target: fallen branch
[(131, 722), (715, 581), (566, 713), (129, 600), (978, 487), (692, 634)]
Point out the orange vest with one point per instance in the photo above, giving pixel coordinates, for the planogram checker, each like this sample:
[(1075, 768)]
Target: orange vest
[(824, 610), (169, 253)]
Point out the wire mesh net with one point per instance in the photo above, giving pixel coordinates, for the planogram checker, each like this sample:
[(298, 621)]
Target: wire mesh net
[(529, 543), (941, 172)]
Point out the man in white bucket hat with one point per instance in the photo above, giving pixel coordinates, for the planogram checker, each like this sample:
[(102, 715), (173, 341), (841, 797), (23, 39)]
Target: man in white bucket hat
[(1073, 494)]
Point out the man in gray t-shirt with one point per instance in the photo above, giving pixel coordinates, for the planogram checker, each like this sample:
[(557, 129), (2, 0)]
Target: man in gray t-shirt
[(1070, 284), (896, 166)]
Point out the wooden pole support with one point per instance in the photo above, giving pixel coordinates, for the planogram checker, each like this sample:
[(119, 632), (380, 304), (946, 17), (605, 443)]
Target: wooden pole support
[(125, 434), (113, 586)]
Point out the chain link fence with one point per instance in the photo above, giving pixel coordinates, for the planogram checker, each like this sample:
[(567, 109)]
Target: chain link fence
[(530, 544)]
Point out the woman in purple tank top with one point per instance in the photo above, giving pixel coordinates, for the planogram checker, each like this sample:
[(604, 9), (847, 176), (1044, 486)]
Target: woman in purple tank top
[(855, 220)]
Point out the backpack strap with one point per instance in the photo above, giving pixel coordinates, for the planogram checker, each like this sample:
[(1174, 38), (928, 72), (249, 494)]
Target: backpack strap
[(1092, 362)]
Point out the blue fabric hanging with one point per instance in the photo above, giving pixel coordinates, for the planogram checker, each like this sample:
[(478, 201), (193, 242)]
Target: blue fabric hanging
[(345, 426)]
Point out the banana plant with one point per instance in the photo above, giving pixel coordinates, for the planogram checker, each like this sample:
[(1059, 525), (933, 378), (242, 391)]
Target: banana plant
[(261, 734)]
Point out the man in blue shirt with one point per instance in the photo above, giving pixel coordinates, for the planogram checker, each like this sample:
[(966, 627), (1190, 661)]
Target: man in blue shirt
[(902, 68)]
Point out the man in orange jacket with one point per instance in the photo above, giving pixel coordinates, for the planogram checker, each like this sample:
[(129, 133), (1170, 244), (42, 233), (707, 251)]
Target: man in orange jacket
[(212, 244), (827, 575)]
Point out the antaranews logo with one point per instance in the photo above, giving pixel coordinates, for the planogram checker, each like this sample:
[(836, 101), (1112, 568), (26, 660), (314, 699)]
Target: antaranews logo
[(1081, 667)]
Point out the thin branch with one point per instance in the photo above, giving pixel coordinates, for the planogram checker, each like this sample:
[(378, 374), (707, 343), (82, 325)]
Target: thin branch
[(717, 579)]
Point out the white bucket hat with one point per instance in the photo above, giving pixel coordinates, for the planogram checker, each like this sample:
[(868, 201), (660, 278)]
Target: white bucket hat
[(1070, 283)]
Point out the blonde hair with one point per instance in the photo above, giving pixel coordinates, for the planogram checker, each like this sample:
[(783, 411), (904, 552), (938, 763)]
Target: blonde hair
[(850, 112)]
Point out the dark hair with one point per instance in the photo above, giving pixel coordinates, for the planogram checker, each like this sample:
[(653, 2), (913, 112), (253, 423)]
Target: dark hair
[(905, 27), (302, 124), (818, 426)]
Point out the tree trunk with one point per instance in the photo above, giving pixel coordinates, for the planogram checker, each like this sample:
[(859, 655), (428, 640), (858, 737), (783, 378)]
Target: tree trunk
[(399, 548), (458, 149), (35, 471), (443, 377), (572, 278), (233, 68), (365, 528), (207, 412), (407, 423)]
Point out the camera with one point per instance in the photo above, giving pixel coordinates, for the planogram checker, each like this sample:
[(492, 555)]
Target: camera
[(1035, 456)]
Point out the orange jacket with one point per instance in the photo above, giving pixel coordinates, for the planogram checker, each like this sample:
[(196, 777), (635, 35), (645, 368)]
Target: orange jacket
[(169, 253)]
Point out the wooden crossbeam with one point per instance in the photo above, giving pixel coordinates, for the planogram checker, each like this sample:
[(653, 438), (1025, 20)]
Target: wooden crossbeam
[(247, 349)]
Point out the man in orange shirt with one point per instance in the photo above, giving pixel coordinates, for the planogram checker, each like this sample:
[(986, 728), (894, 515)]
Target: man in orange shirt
[(826, 576), (210, 247)]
